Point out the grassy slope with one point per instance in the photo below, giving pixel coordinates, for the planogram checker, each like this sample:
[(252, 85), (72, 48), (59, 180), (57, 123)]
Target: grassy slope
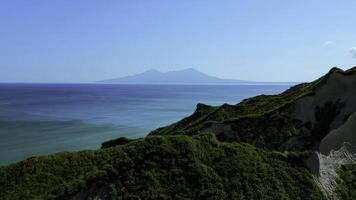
[(180, 167), (264, 121), (252, 107)]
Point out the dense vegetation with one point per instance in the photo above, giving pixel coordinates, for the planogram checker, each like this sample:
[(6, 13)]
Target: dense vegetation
[(178, 167), (346, 188)]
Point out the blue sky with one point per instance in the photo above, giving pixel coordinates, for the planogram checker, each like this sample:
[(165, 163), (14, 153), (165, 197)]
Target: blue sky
[(87, 40)]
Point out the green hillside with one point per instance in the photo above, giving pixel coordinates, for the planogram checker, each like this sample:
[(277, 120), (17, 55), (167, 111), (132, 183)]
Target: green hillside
[(170, 167)]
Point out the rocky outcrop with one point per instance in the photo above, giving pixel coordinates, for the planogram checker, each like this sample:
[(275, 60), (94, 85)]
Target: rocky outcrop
[(337, 137), (325, 167), (329, 106)]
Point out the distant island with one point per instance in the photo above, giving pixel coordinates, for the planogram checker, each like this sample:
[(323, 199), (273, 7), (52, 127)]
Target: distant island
[(185, 76)]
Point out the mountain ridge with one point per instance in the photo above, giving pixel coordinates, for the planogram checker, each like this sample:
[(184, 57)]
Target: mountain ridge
[(184, 76)]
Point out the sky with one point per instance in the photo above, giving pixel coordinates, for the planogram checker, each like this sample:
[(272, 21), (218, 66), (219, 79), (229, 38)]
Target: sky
[(90, 40)]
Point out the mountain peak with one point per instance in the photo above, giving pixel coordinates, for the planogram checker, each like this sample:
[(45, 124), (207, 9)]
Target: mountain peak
[(190, 69), (184, 76), (152, 71)]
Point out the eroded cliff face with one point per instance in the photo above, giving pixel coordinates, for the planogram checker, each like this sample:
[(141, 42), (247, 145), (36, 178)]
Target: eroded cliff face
[(329, 107), (329, 116), (337, 89), (325, 167), (337, 137)]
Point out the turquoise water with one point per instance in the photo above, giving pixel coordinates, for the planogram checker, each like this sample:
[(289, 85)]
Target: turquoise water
[(38, 119)]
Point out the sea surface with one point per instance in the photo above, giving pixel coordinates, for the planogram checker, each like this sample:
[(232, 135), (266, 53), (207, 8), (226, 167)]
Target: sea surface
[(38, 119)]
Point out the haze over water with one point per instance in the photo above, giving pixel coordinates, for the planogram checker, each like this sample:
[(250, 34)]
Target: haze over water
[(38, 119)]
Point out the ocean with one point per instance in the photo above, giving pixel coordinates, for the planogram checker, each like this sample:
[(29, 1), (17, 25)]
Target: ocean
[(38, 119)]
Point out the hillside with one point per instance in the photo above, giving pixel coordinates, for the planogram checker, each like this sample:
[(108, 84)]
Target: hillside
[(178, 167), (316, 116), (296, 119), (296, 145)]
